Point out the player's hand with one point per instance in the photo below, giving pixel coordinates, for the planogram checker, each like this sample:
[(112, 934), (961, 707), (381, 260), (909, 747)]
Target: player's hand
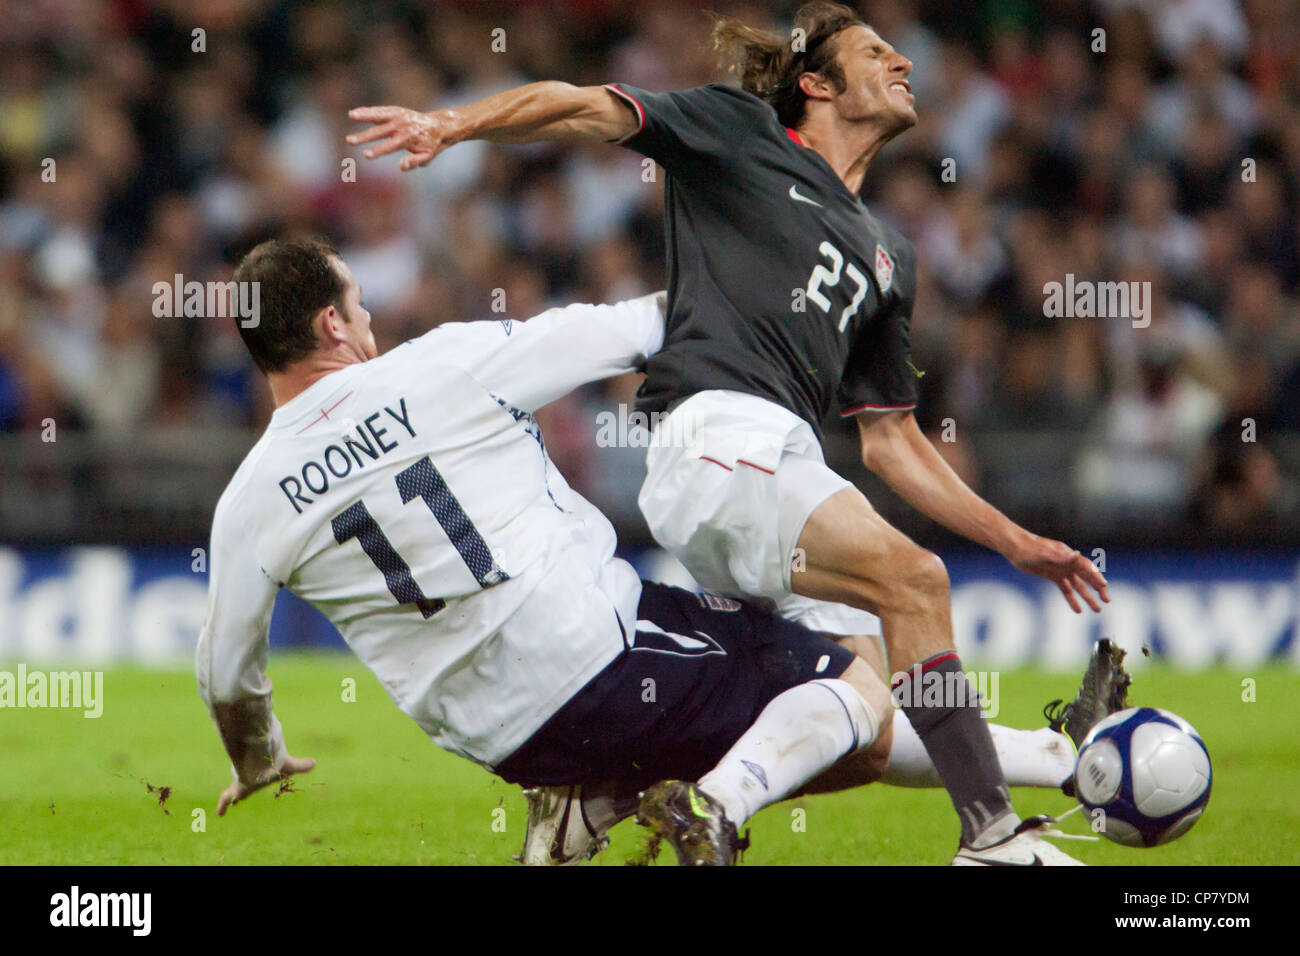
[(239, 790), (1073, 574), (423, 135)]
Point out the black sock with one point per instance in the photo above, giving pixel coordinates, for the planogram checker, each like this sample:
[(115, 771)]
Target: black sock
[(945, 712)]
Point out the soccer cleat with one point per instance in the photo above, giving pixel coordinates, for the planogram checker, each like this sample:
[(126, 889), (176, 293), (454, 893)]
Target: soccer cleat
[(568, 824), (1024, 847), (693, 822), (1103, 692)]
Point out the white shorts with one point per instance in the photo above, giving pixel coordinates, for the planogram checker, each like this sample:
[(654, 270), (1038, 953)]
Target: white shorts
[(730, 482)]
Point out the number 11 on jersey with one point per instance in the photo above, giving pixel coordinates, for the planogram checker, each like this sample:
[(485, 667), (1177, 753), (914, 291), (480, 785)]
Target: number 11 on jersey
[(421, 480)]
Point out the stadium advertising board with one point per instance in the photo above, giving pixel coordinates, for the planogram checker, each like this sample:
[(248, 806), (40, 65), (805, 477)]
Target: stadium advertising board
[(104, 605)]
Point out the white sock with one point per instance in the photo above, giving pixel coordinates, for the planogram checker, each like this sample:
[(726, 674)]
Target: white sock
[(1029, 758), (798, 735), (1033, 758)]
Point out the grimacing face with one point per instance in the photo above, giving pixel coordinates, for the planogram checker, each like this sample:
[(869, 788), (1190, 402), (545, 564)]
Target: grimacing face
[(875, 75)]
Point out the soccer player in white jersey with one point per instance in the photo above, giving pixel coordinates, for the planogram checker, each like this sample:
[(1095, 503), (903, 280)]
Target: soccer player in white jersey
[(410, 499)]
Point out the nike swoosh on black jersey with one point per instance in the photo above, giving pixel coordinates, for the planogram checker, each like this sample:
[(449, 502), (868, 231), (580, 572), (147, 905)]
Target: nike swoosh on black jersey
[(795, 196)]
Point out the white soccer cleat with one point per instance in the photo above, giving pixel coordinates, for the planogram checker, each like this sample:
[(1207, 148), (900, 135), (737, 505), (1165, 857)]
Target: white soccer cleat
[(1024, 847), (568, 824)]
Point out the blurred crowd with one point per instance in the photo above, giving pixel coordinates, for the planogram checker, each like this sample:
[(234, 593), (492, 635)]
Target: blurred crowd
[(1152, 141)]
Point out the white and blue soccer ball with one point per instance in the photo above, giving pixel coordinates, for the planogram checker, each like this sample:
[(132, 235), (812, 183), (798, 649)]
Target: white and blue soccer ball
[(1148, 773)]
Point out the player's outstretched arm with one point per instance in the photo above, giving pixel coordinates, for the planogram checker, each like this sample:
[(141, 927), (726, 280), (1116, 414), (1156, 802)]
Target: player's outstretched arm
[(253, 739), (549, 110), (230, 661), (533, 363), (895, 448)]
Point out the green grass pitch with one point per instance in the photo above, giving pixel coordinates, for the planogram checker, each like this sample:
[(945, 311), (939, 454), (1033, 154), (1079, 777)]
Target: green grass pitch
[(73, 790)]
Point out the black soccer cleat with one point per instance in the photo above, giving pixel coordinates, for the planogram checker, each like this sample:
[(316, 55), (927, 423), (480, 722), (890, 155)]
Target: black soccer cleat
[(1103, 692), (693, 822)]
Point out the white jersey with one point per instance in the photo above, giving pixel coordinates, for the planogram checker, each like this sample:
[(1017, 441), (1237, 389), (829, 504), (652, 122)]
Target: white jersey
[(411, 501)]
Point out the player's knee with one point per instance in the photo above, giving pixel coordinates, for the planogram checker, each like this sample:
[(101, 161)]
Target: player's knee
[(918, 580), (931, 576), (867, 647)]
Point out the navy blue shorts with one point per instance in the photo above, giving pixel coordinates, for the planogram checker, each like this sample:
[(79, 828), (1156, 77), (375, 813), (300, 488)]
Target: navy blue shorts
[(695, 676)]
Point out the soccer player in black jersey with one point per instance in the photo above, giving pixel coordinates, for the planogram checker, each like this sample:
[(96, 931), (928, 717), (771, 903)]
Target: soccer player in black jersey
[(787, 296)]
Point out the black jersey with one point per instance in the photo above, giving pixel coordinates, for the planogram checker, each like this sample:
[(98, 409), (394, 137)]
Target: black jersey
[(780, 282)]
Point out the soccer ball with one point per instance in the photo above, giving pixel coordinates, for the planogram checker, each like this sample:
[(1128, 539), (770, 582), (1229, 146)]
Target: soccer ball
[(1148, 773)]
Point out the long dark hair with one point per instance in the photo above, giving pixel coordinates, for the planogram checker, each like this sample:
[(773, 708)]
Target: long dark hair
[(768, 65)]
